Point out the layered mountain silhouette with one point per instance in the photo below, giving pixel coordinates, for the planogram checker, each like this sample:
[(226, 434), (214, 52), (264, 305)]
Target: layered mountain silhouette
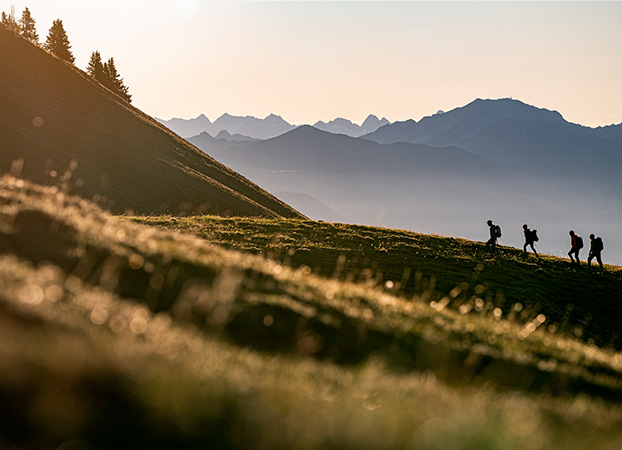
[(247, 127), (360, 179), (449, 173), (188, 127), (344, 126), (224, 134), (511, 132), (58, 126)]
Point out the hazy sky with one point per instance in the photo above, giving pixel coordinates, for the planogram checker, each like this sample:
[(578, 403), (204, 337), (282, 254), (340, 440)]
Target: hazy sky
[(309, 61)]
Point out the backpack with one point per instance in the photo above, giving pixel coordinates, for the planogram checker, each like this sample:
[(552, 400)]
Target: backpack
[(599, 247), (579, 241), (534, 235), (497, 231)]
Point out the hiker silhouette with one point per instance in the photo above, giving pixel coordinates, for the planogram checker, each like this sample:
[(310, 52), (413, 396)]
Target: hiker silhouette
[(576, 244), (531, 236), (495, 233), (596, 248)]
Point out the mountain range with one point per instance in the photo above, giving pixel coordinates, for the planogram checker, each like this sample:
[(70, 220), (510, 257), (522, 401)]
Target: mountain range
[(491, 159), (59, 126), (510, 131), (344, 126), (248, 127)]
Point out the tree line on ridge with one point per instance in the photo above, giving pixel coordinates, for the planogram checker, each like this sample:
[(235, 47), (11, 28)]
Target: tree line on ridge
[(57, 43)]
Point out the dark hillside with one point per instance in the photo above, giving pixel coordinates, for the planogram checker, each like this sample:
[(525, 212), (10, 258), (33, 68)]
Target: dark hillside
[(58, 126), (574, 300)]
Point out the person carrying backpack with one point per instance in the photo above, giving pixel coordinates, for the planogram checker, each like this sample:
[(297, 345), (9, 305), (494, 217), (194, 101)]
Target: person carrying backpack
[(576, 244), (531, 236), (596, 248), (495, 233)]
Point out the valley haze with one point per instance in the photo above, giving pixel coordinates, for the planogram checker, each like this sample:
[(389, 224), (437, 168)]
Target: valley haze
[(448, 173)]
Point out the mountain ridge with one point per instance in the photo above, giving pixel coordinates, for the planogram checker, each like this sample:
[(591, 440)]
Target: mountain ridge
[(446, 189), (347, 127), (271, 126), (512, 132)]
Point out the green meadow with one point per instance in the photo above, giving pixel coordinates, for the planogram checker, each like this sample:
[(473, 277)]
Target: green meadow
[(202, 332), (460, 274)]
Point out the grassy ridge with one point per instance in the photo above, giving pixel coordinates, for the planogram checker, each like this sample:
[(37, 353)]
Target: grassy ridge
[(98, 146), (121, 335), (575, 301)]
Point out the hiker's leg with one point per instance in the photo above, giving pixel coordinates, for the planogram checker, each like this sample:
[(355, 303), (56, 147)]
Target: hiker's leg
[(570, 255), (534, 249), (525, 248), (590, 257), (490, 243), (600, 261)]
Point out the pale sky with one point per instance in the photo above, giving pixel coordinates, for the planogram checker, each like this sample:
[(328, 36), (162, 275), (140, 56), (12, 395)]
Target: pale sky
[(308, 61)]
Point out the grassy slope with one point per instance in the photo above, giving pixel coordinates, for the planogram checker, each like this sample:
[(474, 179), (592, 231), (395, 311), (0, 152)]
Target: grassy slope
[(108, 325), (579, 302), (121, 154)]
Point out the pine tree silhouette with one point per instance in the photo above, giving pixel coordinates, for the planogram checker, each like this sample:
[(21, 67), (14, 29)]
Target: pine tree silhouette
[(114, 82), (27, 27), (10, 21), (95, 67), (57, 42)]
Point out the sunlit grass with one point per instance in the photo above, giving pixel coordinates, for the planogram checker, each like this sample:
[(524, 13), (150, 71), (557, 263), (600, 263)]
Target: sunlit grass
[(115, 333), (192, 388), (574, 301)]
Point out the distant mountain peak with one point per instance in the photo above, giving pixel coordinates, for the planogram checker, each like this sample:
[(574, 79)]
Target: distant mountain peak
[(347, 127), (372, 123), (509, 107)]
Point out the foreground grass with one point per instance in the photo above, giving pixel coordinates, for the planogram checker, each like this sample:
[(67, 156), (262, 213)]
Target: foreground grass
[(118, 335), (82, 365)]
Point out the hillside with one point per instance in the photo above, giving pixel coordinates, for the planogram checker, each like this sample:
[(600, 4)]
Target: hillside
[(60, 127), (119, 335), (576, 302)]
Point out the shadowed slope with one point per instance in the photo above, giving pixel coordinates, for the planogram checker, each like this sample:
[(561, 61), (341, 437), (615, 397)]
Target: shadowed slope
[(67, 129)]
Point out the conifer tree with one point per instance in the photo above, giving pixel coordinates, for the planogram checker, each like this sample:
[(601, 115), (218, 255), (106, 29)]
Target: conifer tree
[(10, 21), (27, 27), (95, 67), (58, 43), (114, 82)]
